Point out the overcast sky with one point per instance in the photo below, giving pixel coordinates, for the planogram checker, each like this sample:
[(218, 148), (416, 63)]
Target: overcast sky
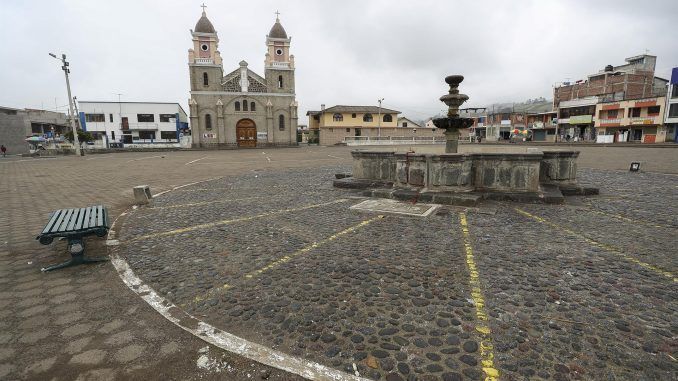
[(347, 52)]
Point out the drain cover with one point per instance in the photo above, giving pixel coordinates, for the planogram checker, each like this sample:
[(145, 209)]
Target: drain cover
[(397, 207)]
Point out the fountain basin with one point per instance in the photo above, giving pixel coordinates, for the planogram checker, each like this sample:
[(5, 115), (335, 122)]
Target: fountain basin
[(528, 176)]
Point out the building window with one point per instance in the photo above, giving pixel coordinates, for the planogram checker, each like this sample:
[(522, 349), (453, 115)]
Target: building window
[(634, 112), (653, 111), (237, 106), (367, 118), (170, 135), (253, 107), (95, 118), (112, 135), (208, 122), (388, 118), (205, 79), (337, 117), (110, 118), (244, 105), (165, 118), (404, 124), (145, 118), (331, 129), (673, 111), (280, 82), (147, 135), (674, 91), (612, 114), (281, 122), (348, 130), (353, 115)]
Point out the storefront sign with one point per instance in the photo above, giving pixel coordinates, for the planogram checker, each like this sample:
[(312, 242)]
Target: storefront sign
[(581, 119)]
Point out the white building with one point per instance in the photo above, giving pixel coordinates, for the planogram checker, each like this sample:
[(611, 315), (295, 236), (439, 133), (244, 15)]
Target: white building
[(154, 124), (671, 121)]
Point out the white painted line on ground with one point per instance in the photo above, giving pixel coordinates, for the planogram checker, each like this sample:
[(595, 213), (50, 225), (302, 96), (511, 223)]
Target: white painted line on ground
[(144, 158), (224, 340), (337, 157), (19, 161), (193, 161)]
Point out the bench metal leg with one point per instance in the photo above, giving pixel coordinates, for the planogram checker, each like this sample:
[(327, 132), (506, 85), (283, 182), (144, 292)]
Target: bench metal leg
[(76, 246)]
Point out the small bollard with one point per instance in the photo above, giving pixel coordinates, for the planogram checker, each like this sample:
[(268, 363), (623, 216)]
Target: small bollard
[(142, 195)]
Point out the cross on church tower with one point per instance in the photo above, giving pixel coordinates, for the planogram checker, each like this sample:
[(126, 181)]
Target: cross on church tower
[(277, 16), (203, 7)]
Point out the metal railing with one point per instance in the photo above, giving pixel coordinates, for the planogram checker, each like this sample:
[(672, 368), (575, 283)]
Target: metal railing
[(392, 140)]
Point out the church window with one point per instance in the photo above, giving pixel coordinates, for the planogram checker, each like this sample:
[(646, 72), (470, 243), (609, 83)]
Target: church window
[(208, 122), (367, 118), (244, 105), (388, 118), (281, 122), (237, 106), (338, 117), (253, 107), (280, 82), (205, 79)]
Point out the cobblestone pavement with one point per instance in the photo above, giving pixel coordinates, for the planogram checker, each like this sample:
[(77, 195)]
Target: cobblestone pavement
[(582, 291), (393, 295)]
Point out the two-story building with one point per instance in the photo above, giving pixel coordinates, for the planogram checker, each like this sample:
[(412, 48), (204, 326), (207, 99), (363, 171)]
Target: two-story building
[(638, 120), (671, 119), (335, 124), (149, 123)]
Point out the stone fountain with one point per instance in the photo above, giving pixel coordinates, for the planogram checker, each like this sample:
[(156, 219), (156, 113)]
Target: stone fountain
[(453, 123), (465, 178)]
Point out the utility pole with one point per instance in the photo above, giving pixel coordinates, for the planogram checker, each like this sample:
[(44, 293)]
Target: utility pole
[(379, 118), (64, 67)]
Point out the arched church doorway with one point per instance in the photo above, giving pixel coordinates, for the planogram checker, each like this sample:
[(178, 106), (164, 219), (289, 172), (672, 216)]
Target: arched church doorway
[(246, 132)]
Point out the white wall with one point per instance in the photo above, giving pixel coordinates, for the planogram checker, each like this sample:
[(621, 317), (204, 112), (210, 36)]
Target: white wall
[(130, 110)]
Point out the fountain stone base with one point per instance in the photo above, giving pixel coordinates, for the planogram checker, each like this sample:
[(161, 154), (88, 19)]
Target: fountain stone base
[(468, 178)]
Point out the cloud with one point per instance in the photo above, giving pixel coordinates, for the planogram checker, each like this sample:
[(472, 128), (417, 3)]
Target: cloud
[(349, 52)]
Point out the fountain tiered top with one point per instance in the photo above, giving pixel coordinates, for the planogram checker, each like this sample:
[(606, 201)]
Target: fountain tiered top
[(453, 123)]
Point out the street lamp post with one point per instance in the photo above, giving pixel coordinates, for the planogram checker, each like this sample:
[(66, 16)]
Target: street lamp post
[(64, 67), (379, 119)]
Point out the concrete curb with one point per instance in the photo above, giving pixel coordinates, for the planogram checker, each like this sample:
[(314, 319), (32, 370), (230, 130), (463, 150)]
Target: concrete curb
[(210, 334)]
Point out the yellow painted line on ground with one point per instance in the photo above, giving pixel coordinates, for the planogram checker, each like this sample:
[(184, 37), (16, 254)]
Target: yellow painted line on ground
[(601, 245), (287, 258), (203, 203), (310, 247), (627, 219), (486, 347), (226, 222)]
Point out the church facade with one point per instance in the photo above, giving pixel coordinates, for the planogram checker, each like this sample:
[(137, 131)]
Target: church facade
[(241, 108)]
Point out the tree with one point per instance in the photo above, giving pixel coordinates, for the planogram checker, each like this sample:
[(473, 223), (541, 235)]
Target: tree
[(83, 136)]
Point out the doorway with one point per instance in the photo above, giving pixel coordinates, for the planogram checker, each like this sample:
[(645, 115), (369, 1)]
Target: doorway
[(246, 133)]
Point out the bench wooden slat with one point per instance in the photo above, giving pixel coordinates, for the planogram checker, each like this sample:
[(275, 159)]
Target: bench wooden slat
[(100, 216), (85, 221), (93, 217), (62, 215), (51, 222), (64, 223), (74, 219), (81, 217)]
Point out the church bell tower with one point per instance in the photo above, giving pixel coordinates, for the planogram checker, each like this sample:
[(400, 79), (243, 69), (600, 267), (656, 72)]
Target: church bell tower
[(204, 59), (279, 63)]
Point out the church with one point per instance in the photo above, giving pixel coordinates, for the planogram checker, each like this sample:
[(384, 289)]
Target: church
[(241, 109)]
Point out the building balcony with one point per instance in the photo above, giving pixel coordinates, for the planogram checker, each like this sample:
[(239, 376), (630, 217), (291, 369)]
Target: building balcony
[(143, 126), (284, 65), (608, 122), (204, 61), (644, 120)]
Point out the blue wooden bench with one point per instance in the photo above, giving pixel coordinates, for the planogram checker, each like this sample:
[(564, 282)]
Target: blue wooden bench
[(75, 225)]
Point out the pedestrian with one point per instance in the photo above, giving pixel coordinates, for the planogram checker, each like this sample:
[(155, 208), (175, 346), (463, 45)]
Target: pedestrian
[(4, 150)]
